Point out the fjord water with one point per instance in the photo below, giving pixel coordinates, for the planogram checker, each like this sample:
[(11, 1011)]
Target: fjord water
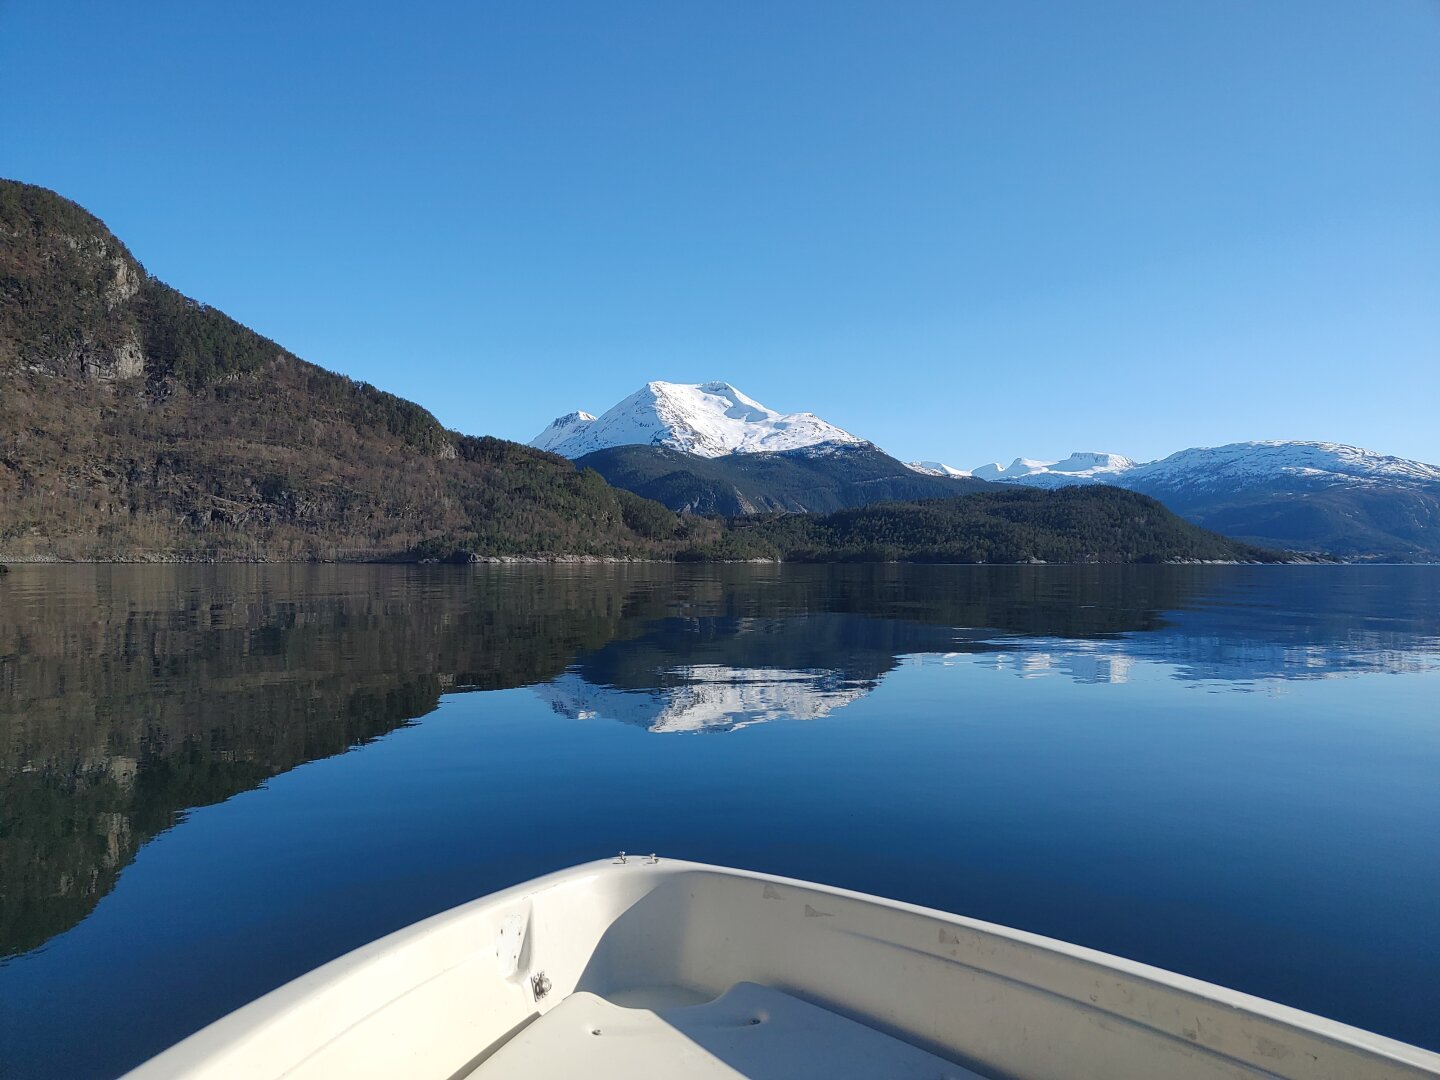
[(215, 778)]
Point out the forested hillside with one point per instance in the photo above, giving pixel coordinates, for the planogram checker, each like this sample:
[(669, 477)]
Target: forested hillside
[(1090, 524)]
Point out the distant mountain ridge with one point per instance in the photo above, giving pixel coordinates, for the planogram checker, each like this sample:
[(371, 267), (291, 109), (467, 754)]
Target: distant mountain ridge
[(1207, 466), (1081, 466), (1313, 496), (709, 419)]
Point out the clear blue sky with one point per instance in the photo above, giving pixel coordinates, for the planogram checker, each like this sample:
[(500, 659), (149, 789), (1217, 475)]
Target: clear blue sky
[(965, 230)]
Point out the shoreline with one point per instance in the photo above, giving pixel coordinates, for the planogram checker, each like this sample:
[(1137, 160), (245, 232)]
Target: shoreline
[(7, 561)]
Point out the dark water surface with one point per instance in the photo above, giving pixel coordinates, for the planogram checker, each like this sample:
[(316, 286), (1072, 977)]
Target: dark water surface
[(214, 778)]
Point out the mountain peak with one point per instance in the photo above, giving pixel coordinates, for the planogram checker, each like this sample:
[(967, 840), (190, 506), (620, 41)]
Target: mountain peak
[(562, 428), (708, 419)]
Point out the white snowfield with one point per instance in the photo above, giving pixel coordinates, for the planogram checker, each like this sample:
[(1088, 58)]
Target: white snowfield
[(707, 419), (1205, 467)]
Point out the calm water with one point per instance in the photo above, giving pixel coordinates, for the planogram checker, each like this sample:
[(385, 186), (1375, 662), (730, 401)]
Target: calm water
[(213, 779)]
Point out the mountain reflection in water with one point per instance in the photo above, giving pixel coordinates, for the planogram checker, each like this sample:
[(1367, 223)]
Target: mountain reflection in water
[(129, 695), (722, 672)]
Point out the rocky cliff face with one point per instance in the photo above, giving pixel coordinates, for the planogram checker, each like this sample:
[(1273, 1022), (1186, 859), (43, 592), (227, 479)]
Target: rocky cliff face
[(68, 291)]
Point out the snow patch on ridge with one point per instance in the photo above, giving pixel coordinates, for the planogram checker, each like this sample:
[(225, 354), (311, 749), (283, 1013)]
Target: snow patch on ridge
[(935, 468)]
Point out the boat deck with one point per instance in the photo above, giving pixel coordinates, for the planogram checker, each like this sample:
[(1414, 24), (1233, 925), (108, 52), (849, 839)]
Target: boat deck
[(749, 1031)]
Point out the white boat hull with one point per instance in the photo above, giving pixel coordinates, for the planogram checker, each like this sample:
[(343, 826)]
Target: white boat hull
[(638, 949)]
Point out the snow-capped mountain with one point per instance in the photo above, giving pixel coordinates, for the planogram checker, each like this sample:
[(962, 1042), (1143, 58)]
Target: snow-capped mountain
[(706, 419)]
